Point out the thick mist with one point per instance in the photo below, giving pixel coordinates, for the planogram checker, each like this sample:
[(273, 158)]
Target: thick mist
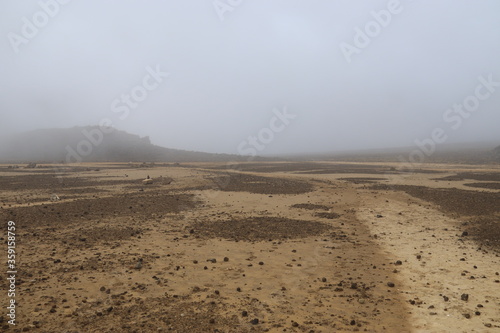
[(255, 77)]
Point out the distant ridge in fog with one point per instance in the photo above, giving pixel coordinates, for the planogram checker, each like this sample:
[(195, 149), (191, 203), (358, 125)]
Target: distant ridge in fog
[(62, 144), (470, 153)]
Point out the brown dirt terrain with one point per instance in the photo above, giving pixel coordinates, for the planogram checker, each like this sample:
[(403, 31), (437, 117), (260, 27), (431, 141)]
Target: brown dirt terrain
[(245, 250), (484, 176), (481, 209), (494, 186)]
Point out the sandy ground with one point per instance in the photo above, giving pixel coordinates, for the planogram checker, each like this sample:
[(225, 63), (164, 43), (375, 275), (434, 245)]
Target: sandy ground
[(261, 247)]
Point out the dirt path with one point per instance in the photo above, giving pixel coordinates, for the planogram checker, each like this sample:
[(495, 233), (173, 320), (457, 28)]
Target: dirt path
[(451, 284)]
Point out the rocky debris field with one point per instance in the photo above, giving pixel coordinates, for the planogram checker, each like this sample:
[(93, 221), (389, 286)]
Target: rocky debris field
[(261, 247), (481, 210)]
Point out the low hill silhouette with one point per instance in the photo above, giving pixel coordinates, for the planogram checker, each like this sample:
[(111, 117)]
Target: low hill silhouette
[(90, 144)]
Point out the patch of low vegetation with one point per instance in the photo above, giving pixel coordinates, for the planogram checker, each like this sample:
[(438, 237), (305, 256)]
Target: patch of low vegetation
[(310, 206), (261, 185), (260, 229), (452, 200), (131, 205), (486, 231), (362, 180), (491, 186), (481, 176), (328, 215), (482, 208)]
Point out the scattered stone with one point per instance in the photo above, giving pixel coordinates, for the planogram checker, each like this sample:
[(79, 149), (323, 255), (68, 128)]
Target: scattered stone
[(226, 259), (398, 262), (254, 321), (323, 279), (261, 263), (466, 315), (244, 314), (390, 284), (446, 298), (464, 297)]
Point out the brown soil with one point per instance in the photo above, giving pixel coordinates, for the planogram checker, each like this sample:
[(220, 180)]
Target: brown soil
[(483, 176), (482, 208), (486, 230), (262, 185), (260, 229), (204, 251), (309, 206), (131, 205), (317, 168), (360, 180), (329, 216), (454, 201), (493, 186)]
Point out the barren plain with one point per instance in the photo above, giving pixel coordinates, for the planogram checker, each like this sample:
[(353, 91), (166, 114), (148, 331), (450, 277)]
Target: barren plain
[(253, 247)]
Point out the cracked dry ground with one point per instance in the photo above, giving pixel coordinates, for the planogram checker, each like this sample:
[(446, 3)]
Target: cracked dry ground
[(272, 250)]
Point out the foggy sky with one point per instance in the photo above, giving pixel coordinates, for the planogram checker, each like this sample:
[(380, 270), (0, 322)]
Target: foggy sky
[(232, 65)]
